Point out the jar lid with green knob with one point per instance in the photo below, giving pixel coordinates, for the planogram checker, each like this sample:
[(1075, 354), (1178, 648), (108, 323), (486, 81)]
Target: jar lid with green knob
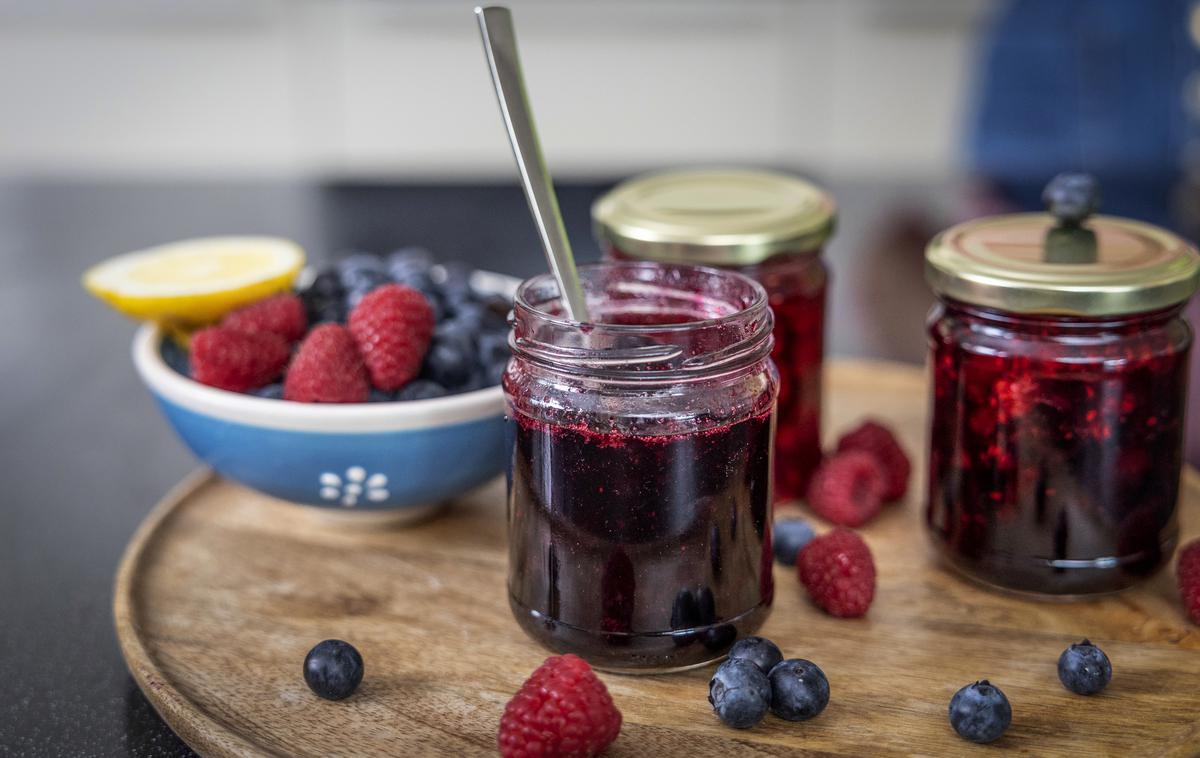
[(1066, 261)]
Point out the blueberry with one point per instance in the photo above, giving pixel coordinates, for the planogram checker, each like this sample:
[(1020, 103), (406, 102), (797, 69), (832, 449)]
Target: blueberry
[(359, 262), (323, 298), (718, 638), (333, 669), (493, 375), (412, 258), (325, 310), (758, 650), (175, 356), (421, 389), (462, 333), (363, 272), (799, 689), (789, 537), (469, 314), (450, 362), (493, 348), (493, 356), (1084, 669), (326, 284), (271, 392), (740, 693), (685, 616), (411, 266), (980, 712), (706, 605), (380, 396), (1072, 197), (436, 303), (355, 294)]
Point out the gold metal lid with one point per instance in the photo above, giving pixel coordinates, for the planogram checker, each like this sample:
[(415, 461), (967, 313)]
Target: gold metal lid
[(717, 217), (1037, 263)]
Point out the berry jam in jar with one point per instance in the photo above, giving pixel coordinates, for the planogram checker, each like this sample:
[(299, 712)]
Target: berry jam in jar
[(1060, 368), (640, 465), (768, 226)]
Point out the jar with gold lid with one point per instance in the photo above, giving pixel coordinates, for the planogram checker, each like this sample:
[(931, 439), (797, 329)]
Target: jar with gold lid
[(769, 226), (1060, 369)]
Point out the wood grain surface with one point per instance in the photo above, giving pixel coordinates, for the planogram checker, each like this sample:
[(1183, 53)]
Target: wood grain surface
[(222, 592)]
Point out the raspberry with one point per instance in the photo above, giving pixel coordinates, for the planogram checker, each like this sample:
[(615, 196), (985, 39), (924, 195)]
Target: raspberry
[(848, 488), (563, 709), (392, 326), (876, 439), (1188, 572), (237, 361), (327, 369), (839, 573), (282, 315)]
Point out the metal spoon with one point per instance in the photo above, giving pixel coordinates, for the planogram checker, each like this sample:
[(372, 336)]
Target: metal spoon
[(500, 44)]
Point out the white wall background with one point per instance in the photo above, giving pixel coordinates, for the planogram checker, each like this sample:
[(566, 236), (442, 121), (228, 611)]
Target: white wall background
[(367, 88)]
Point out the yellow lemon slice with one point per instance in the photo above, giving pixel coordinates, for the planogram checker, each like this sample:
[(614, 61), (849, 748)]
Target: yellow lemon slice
[(195, 281)]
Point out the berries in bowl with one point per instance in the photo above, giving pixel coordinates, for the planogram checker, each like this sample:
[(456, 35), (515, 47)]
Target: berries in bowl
[(373, 387)]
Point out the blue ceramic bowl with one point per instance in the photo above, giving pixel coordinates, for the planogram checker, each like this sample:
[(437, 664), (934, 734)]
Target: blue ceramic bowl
[(401, 459)]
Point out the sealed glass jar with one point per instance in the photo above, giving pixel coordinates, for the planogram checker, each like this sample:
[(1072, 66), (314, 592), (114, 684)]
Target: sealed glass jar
[(770, 227), (639, 493), (1060, 369)]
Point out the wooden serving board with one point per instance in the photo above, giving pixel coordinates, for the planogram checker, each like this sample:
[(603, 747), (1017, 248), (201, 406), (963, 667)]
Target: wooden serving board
[(222, 592)]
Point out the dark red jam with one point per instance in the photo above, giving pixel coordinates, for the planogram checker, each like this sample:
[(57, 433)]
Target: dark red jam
[(1056, 446), (796, 284), (640, 551)]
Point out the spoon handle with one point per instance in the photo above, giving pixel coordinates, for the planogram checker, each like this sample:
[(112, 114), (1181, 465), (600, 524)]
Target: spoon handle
[(500, 44)]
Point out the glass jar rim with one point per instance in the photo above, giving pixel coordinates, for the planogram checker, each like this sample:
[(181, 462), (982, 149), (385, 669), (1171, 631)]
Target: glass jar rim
[(674, 350), (521, 300)]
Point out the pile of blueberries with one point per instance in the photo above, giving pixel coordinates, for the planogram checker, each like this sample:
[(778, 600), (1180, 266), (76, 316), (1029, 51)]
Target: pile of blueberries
[(755, 678), (470, 343), (469, 349)]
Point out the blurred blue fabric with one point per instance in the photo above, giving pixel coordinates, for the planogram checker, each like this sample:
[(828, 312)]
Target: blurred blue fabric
[(1090, 85)]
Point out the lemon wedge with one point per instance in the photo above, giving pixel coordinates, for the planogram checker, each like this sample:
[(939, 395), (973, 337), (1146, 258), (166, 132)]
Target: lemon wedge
[(195, 281)]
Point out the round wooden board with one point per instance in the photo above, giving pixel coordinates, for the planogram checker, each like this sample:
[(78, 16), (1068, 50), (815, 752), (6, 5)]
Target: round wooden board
[(222, 592)]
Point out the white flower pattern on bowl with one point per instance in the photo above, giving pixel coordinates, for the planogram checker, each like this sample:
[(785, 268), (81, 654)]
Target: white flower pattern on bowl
[(353, 485)]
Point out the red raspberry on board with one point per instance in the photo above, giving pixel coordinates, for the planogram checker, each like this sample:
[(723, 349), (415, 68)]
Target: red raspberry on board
[(562, 710), (392, 326), (839, 573), (237, 361), (327, 369), (878, 440), (848, 488), (282, 315), (1188, 572)]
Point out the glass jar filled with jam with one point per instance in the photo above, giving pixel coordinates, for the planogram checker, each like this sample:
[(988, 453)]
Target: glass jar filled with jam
[(770, 227), (1060, 370), (639, 495)]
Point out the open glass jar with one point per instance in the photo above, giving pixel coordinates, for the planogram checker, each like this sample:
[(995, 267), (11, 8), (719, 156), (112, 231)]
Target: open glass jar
[(639, 495), (1060, 368), (770, 227)]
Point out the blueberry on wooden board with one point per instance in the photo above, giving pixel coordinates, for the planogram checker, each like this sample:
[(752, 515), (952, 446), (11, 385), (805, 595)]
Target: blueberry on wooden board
[(333, 669)]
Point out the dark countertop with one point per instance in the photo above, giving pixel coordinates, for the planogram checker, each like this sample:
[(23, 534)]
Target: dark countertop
[(86, 454)]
